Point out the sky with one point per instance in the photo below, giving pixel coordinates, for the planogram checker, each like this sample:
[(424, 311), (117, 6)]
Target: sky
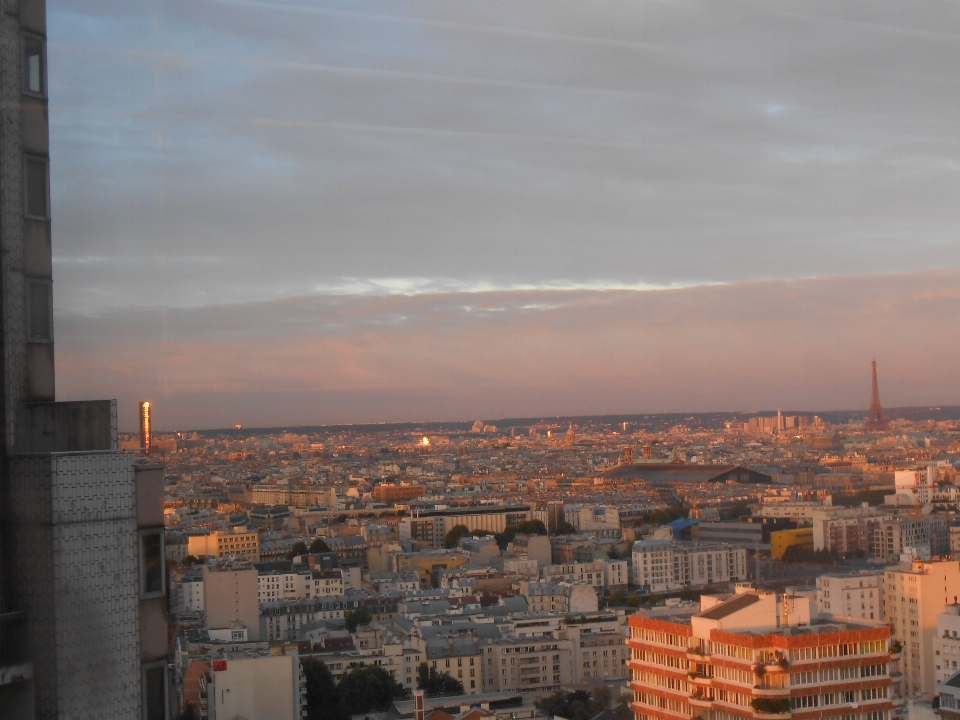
[(281, 213)]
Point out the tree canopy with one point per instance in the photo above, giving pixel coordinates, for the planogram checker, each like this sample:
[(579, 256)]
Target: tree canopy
[(370, 688), (360, 690), (437, 683), (299, 548), (453, 536), (565, 528), (583, 705), (319, 546), (353, 618)]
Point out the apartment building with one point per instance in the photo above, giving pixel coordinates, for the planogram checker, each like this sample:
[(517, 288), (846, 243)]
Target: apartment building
[(666, 565), (189, 593), (237, 543), (853, 596), (284, 620), (559, 597), (391, 493), (431, 526), (591, 573), (916, 484), (928, 534), (845, 530), (946, 643), (916, 596), (598, 647), (538, 664), (459, 656), (754, 655), (616, 574), (595, 517), (265, 685)]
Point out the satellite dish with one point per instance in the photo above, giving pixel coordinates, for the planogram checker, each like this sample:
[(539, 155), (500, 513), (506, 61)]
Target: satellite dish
[(854, 705)]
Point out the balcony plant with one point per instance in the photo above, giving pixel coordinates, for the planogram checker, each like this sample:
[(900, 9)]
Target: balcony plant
[(772, 706)]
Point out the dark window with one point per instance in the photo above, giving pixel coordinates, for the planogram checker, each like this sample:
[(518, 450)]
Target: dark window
[(151, 558), (33, 66), (35, 187), (153, 693), (38, 311)]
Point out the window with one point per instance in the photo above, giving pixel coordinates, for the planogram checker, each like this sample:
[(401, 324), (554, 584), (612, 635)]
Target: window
[(39, 317), (151, 563), (154, 691), (35, 189), (33, 66)]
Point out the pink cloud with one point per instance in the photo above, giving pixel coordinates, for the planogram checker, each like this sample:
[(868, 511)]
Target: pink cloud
[(801, 344)]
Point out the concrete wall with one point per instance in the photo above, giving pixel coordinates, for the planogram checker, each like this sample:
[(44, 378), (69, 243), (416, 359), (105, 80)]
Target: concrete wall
[(77, 571), (262, 688), (232, 595)]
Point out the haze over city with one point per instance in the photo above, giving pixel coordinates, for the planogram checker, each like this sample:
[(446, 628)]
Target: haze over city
[(273, 213)]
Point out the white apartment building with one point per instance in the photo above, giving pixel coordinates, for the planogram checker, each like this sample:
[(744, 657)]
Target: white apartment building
[(616, 574), (599, 648), (666, 565), (946, 644), (916, 596), (591, 573), (190, 593), (276, 586), (852, 596), (916, 484), (595, 517), (256, 686), (559, 597)]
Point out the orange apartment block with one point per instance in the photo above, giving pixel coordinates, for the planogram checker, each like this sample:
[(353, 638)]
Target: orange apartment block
[(757, 656)]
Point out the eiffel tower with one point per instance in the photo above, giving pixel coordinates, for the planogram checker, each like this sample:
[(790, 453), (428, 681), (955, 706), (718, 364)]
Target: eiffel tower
[(875, 419)]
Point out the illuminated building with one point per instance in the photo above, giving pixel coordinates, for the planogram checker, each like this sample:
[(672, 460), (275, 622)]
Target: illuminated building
[(759, 657)]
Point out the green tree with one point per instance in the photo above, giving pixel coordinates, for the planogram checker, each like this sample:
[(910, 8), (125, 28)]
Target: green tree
[(191, 560), (322, 698), (437, 683), (369, 688), (622, 709), (451, 539), (565, 528), (578, 705), (299, 548), (319, 546), (353, 618)]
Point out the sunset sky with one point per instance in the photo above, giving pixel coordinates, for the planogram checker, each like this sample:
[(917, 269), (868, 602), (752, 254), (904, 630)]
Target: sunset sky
[(317, 212)]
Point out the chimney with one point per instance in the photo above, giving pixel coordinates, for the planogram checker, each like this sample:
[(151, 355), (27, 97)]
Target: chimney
[(418, 713)]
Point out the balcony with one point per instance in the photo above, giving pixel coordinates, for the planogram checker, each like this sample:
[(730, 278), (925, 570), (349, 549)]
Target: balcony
[(701, 700), (761, 691), (698, 653), (766, 708)]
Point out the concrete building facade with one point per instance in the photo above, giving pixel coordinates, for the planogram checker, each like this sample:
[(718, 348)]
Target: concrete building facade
[(82, 582)]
